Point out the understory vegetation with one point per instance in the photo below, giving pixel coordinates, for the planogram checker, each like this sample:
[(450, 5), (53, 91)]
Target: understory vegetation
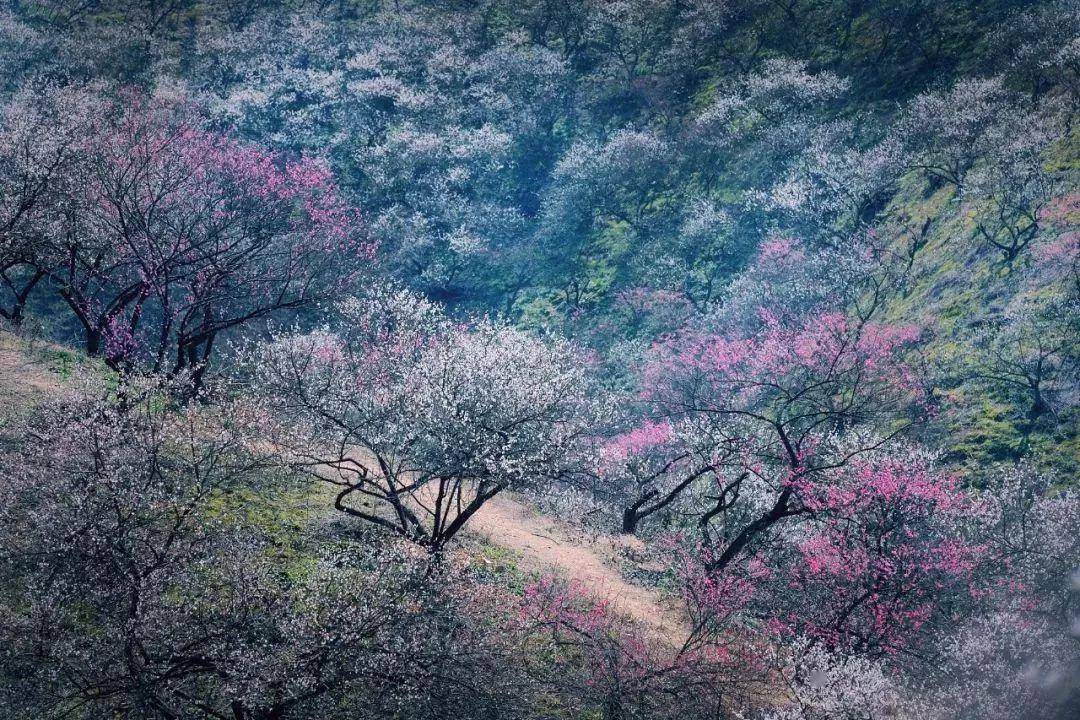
[(784, 293)]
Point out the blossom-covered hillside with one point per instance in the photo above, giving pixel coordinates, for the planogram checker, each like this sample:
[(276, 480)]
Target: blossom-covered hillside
[(770, 307)]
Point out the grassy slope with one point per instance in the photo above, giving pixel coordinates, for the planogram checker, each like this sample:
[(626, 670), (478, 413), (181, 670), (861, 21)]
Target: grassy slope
[(958, 283)]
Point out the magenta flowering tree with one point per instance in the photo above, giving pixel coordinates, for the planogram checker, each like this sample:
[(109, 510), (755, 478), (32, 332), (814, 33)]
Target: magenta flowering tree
[(170, 235), (650, 468), (810, 523), (789, 397), (976, 592), (884, 555), (874, 564)]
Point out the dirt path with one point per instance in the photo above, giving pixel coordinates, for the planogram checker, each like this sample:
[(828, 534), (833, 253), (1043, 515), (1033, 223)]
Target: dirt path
[(22, 373), (25, 377), (544, 543)]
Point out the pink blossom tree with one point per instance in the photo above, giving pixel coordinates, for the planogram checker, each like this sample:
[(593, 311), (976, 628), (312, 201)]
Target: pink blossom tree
[(789, 397), (883, 558), (648, 468), (170, 235), (875, 564), (811, 524)]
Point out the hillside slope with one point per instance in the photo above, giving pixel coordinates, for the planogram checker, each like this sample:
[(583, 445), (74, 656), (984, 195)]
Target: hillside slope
[(534, 544)]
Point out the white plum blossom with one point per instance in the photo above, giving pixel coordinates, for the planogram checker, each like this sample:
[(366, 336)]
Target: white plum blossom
[(427, 418)]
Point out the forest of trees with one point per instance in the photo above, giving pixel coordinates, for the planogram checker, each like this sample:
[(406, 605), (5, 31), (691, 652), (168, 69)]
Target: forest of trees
[(781, 295)]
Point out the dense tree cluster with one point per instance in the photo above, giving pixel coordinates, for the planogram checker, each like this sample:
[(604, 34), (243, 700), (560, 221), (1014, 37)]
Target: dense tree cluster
[(788, 290), (159, 236), (138, 581)]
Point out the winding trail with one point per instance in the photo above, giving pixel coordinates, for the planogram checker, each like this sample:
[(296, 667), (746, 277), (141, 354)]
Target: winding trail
[(544, 543)]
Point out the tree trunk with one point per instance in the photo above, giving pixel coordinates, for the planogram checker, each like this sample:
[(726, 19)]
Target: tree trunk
[(93, 343)]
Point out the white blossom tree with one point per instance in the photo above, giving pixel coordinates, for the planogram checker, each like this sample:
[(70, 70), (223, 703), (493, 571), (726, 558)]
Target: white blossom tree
[(420, 421)]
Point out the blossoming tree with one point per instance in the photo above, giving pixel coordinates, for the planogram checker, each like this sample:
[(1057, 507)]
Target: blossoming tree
[(166, 235), (420, 421)]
